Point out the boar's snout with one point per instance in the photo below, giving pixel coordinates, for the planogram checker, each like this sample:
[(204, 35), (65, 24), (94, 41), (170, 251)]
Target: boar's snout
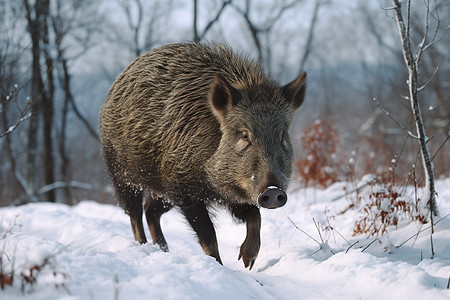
[(272, 197)]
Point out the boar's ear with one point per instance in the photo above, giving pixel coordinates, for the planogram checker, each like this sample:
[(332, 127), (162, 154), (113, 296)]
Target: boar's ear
[(295, 90), (222, 96)]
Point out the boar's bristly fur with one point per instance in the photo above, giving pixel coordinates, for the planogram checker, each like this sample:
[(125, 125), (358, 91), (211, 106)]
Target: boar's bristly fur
[(192, 125)]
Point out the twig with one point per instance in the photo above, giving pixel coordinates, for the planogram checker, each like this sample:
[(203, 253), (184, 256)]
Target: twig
[(370, 244), (440, 147), (429, 80), (433, 41), (409, 133), (24, 115), (214, 20), (318, 230), (342, 237), (351, 246), (422, 46), (304, 232), (432, 245), (422, 230)]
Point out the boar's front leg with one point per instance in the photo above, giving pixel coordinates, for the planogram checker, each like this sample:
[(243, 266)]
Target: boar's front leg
[(198, 217), (250, 247)]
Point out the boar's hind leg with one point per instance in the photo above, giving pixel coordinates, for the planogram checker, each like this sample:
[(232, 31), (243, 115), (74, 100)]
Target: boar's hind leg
[(130, 199), (154, 208), (250, 247), (198, 217)]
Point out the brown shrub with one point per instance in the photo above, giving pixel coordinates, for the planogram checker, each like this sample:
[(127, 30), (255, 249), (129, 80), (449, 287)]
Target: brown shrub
[(318, 164), (387, 205)]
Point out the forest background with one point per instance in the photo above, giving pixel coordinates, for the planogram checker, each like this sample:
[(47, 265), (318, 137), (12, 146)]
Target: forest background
[(59, 57)]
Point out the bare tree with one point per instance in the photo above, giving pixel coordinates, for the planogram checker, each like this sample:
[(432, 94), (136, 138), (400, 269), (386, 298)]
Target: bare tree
[(60, 32), (142, 19), (263, 28), (36, 16), (310, 36), (73, 24), (47, 105), (14, 106), (141, 26), (134, 22), (199, 36), (412, 61)]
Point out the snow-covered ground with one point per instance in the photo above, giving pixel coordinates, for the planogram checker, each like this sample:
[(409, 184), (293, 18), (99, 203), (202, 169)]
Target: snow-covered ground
[(91, 254)]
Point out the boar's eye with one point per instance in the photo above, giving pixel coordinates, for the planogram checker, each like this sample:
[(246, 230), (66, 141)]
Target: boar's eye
[(245, 136), (244, 141)]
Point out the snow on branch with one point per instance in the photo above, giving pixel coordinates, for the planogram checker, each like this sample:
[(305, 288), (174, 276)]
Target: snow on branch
[(25, 113), (62, 184)]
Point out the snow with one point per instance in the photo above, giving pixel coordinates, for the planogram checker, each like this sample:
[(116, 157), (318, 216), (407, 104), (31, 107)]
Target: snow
[(90, 254)]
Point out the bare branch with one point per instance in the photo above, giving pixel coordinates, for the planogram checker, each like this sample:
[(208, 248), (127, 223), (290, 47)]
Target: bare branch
[(62, 184), (135, 27), (346, 251), (429, 80), (379, 36), (422, 230), (13, 127), (298, 228), (25, 114), (215, 19), (388, 8), (425, 33), (438, 25), (309, 39), (370, 244), (256, 30), (86, 123), (199, 36), (393, 119), (442, 145), (280, 13)]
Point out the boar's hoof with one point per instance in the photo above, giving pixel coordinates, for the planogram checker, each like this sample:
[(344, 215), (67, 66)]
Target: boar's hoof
[(247, 257), (273, 197)]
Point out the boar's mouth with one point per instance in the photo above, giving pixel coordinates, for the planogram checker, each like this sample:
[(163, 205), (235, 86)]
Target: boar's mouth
[(272, 197)]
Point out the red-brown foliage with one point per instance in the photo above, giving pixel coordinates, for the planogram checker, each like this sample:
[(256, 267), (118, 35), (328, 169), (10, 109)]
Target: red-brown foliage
[(318, 164), (386, 205)]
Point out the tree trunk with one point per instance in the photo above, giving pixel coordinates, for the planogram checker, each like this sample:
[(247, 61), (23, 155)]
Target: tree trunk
[(47, 108), (428, 201), (37, 89), (65, 162)]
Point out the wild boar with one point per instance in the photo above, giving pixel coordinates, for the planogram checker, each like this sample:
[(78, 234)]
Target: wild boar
[(194, 126)]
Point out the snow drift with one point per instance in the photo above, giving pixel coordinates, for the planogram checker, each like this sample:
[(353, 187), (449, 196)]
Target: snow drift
[(87, 252)]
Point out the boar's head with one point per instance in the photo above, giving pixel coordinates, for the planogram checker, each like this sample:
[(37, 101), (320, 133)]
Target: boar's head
[(253, 162)]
